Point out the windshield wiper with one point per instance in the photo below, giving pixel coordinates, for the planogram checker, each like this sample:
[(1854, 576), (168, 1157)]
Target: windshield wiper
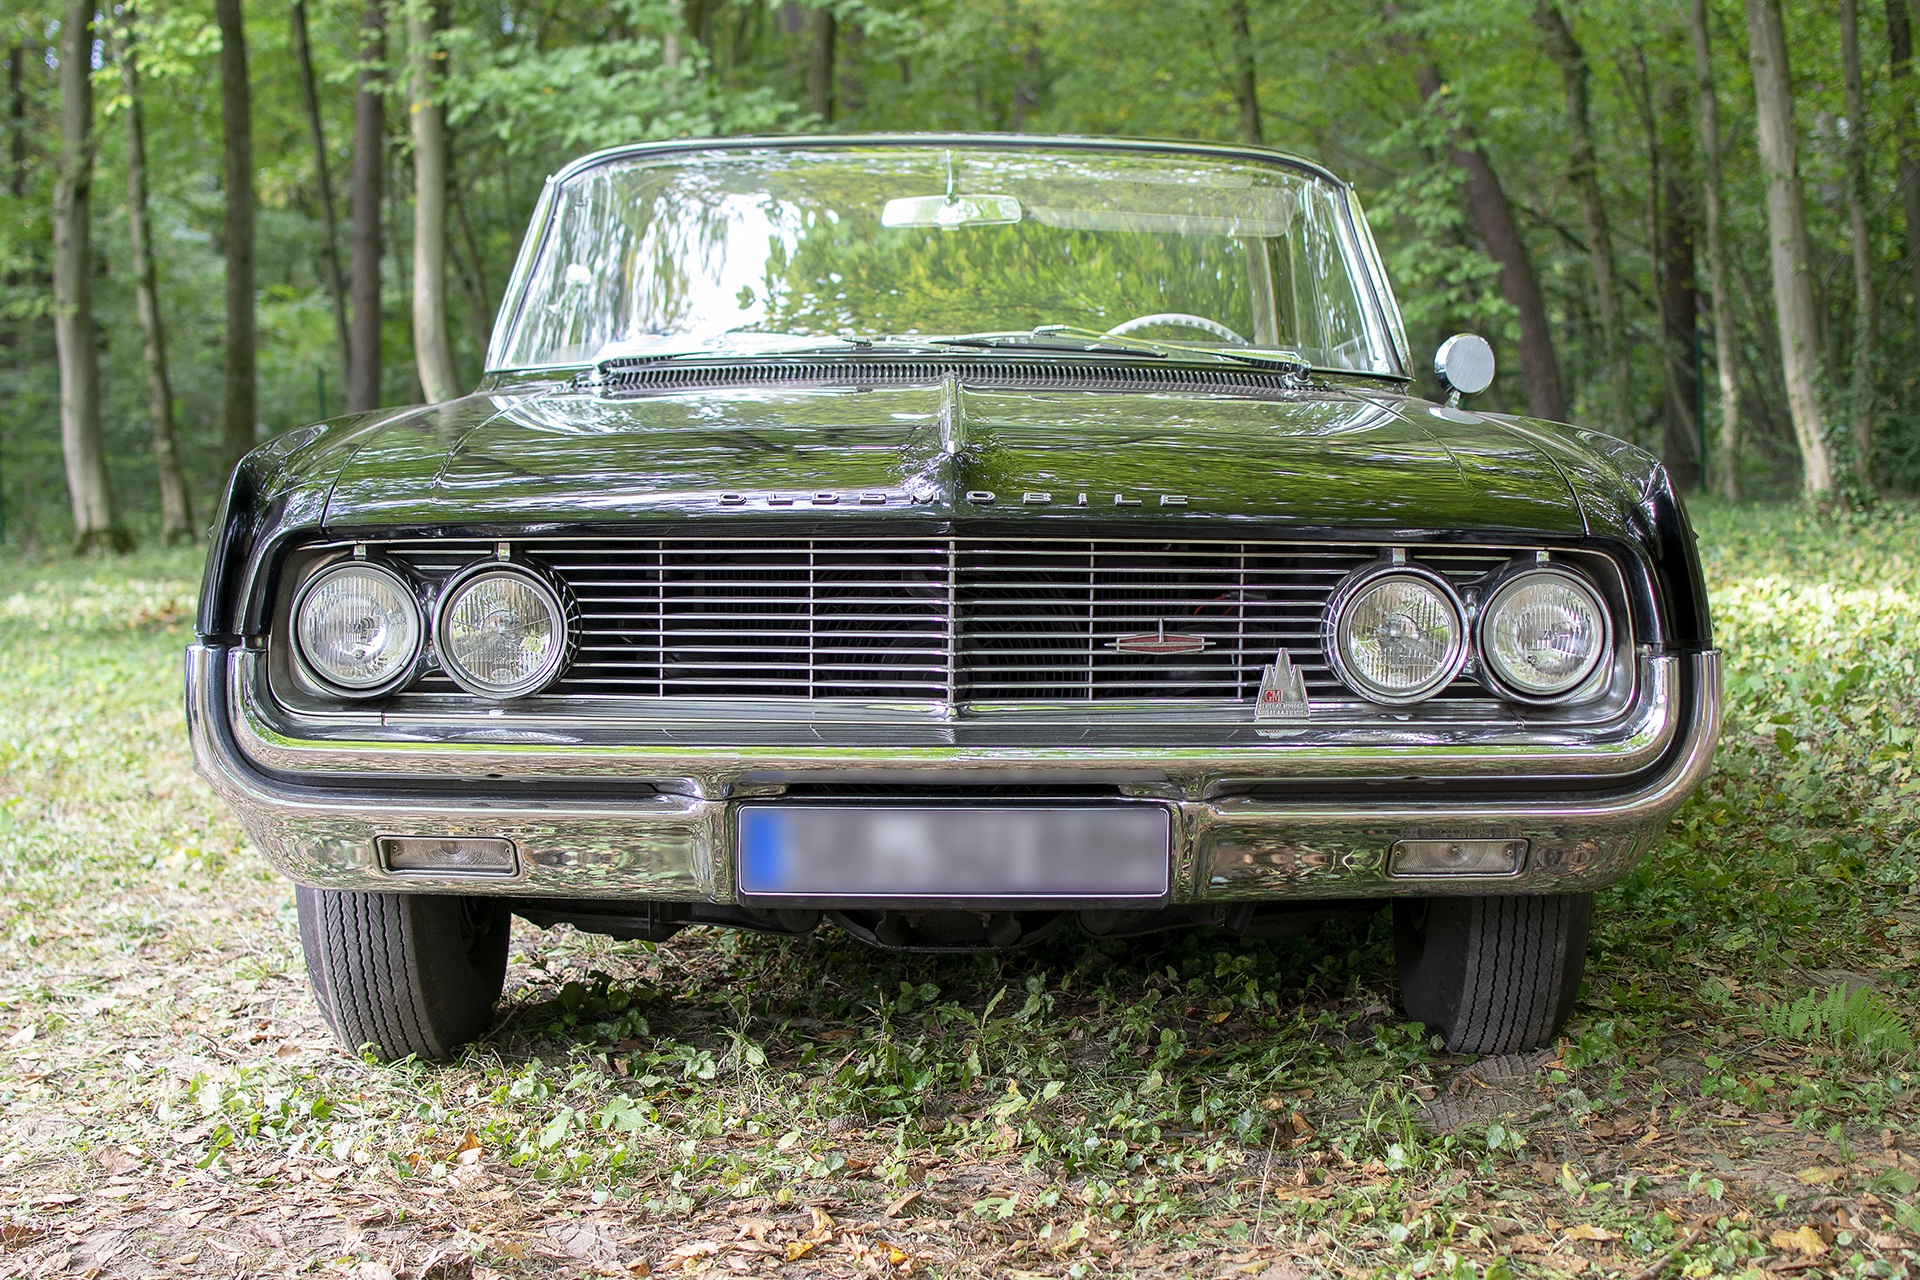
[(1287, 361), (1037, 341)]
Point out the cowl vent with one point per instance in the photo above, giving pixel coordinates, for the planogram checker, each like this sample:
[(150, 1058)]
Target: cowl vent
[(627, 378)]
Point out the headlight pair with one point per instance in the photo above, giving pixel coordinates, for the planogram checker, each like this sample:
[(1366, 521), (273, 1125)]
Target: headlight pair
[(1398, 634), (501, 630)]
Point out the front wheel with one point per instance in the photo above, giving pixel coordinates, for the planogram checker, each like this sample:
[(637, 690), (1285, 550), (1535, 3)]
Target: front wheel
[(408, 973), (1492, 975)]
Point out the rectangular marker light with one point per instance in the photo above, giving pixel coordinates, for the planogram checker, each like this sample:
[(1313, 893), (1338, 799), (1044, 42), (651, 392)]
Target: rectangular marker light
[(447, 855), (1456, 857)]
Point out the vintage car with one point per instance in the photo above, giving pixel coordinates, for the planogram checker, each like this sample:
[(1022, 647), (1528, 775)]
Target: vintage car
[(953, 539)]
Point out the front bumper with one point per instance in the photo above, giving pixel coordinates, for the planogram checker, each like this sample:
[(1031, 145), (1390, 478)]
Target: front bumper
[(613, 822)]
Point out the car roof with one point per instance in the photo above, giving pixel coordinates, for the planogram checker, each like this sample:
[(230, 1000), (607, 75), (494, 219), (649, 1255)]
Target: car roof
[(971, 141)]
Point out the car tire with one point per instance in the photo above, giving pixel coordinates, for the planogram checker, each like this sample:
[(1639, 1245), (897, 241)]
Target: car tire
[(1492, 975), (407, 973)]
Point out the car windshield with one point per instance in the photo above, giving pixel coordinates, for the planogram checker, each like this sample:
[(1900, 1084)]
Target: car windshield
[(764, 250)]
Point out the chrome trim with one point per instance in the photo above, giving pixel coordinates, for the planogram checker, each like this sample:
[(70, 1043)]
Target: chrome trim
[(676, 846), (666, 738)]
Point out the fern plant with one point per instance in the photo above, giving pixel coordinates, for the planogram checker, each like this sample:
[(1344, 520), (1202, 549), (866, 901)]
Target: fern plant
[(1859, 1020)]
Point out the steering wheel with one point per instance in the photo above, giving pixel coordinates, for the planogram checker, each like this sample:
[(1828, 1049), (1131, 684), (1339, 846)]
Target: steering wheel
[(1213, 327)]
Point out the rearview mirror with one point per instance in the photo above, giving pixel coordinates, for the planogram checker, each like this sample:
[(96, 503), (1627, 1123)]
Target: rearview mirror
[(948, 212)]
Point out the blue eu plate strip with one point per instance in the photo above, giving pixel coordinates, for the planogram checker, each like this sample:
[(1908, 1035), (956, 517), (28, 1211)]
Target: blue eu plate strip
[(763, 850)]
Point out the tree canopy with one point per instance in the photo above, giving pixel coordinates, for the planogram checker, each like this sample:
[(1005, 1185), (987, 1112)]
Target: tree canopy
[(1546, 174)]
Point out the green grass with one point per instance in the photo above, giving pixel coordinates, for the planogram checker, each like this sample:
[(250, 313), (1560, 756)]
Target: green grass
[(1742, 1062)]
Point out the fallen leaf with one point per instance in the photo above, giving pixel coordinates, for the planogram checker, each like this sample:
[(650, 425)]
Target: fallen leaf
[(13, 1233), (1218, 1018), (894, 1256), (1587, 1231), (1818, 1174), (1806, 1240), (1564, 1263), (694, 1249), (798, 1249), (640, 1268), (61, 1198), (822, 1221), (893, 1209), (755, 1228)]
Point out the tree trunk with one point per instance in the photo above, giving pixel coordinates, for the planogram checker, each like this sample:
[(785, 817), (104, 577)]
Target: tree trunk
[(330, 246), (1583, 172), (17, 121), (176, 502), (432, 352), (1791, 251), (236, 115), (1245, 81), (1866, 319), (820, 65), (1900, 47), (1494, 216), (1679, 303), (1723, 356), (369, 160), (94, 525)]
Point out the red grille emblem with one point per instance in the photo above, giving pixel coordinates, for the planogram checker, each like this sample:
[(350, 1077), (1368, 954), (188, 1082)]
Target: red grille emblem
[(1160, 640)]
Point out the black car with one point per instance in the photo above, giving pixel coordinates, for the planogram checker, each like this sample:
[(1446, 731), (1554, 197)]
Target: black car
[(954, 539)]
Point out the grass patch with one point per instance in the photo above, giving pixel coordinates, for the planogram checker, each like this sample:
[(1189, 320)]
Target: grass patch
[(1738, 1084)]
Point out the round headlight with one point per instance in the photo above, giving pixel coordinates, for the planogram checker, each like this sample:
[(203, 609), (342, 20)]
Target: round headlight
[(502, 633), (1396, 635), (357, 627), (1542, 634)]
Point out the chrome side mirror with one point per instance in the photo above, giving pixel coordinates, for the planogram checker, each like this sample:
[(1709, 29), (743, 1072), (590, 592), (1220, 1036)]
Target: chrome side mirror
[(1464, 365)]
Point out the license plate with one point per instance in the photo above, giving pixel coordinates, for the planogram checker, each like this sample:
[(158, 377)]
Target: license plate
[(868, 852)]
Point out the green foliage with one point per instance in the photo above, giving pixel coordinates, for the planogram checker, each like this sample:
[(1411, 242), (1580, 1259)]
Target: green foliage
[(1859, 1020)]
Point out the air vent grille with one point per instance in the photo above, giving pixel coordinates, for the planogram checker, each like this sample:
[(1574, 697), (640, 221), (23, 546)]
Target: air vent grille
[(959, 619)]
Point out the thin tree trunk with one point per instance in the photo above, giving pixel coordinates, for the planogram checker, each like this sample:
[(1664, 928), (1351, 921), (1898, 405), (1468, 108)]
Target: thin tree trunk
[(820, 96), (369, 162), (1679, 303), (94, 525), (432, 352), (1866, 320), (1900, 68), (1792, 253), (1583, 172), (1246, 92), (1494, 217), (17, 121), (236, 115), (1723, 357), (176, 502), (323, 178)]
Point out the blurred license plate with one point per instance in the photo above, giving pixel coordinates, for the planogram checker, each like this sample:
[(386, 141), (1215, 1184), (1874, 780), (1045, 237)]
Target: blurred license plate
[(1119, 851)]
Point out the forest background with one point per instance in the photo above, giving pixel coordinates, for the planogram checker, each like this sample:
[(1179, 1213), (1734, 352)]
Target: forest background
[(1691, 223)]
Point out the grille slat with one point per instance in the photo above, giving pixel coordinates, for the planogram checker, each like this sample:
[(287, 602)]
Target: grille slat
[(966, 619)]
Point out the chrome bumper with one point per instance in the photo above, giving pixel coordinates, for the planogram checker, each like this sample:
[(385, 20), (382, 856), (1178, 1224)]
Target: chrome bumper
[(656, 821)]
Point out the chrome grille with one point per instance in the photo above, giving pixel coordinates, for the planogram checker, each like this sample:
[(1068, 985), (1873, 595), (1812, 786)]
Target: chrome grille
[(962, 619)]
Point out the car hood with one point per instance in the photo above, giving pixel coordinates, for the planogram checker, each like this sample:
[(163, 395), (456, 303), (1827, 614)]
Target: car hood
[(1324, 459)]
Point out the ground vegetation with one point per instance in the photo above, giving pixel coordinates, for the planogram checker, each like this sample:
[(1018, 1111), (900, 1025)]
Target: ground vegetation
[(1735, 1095)]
